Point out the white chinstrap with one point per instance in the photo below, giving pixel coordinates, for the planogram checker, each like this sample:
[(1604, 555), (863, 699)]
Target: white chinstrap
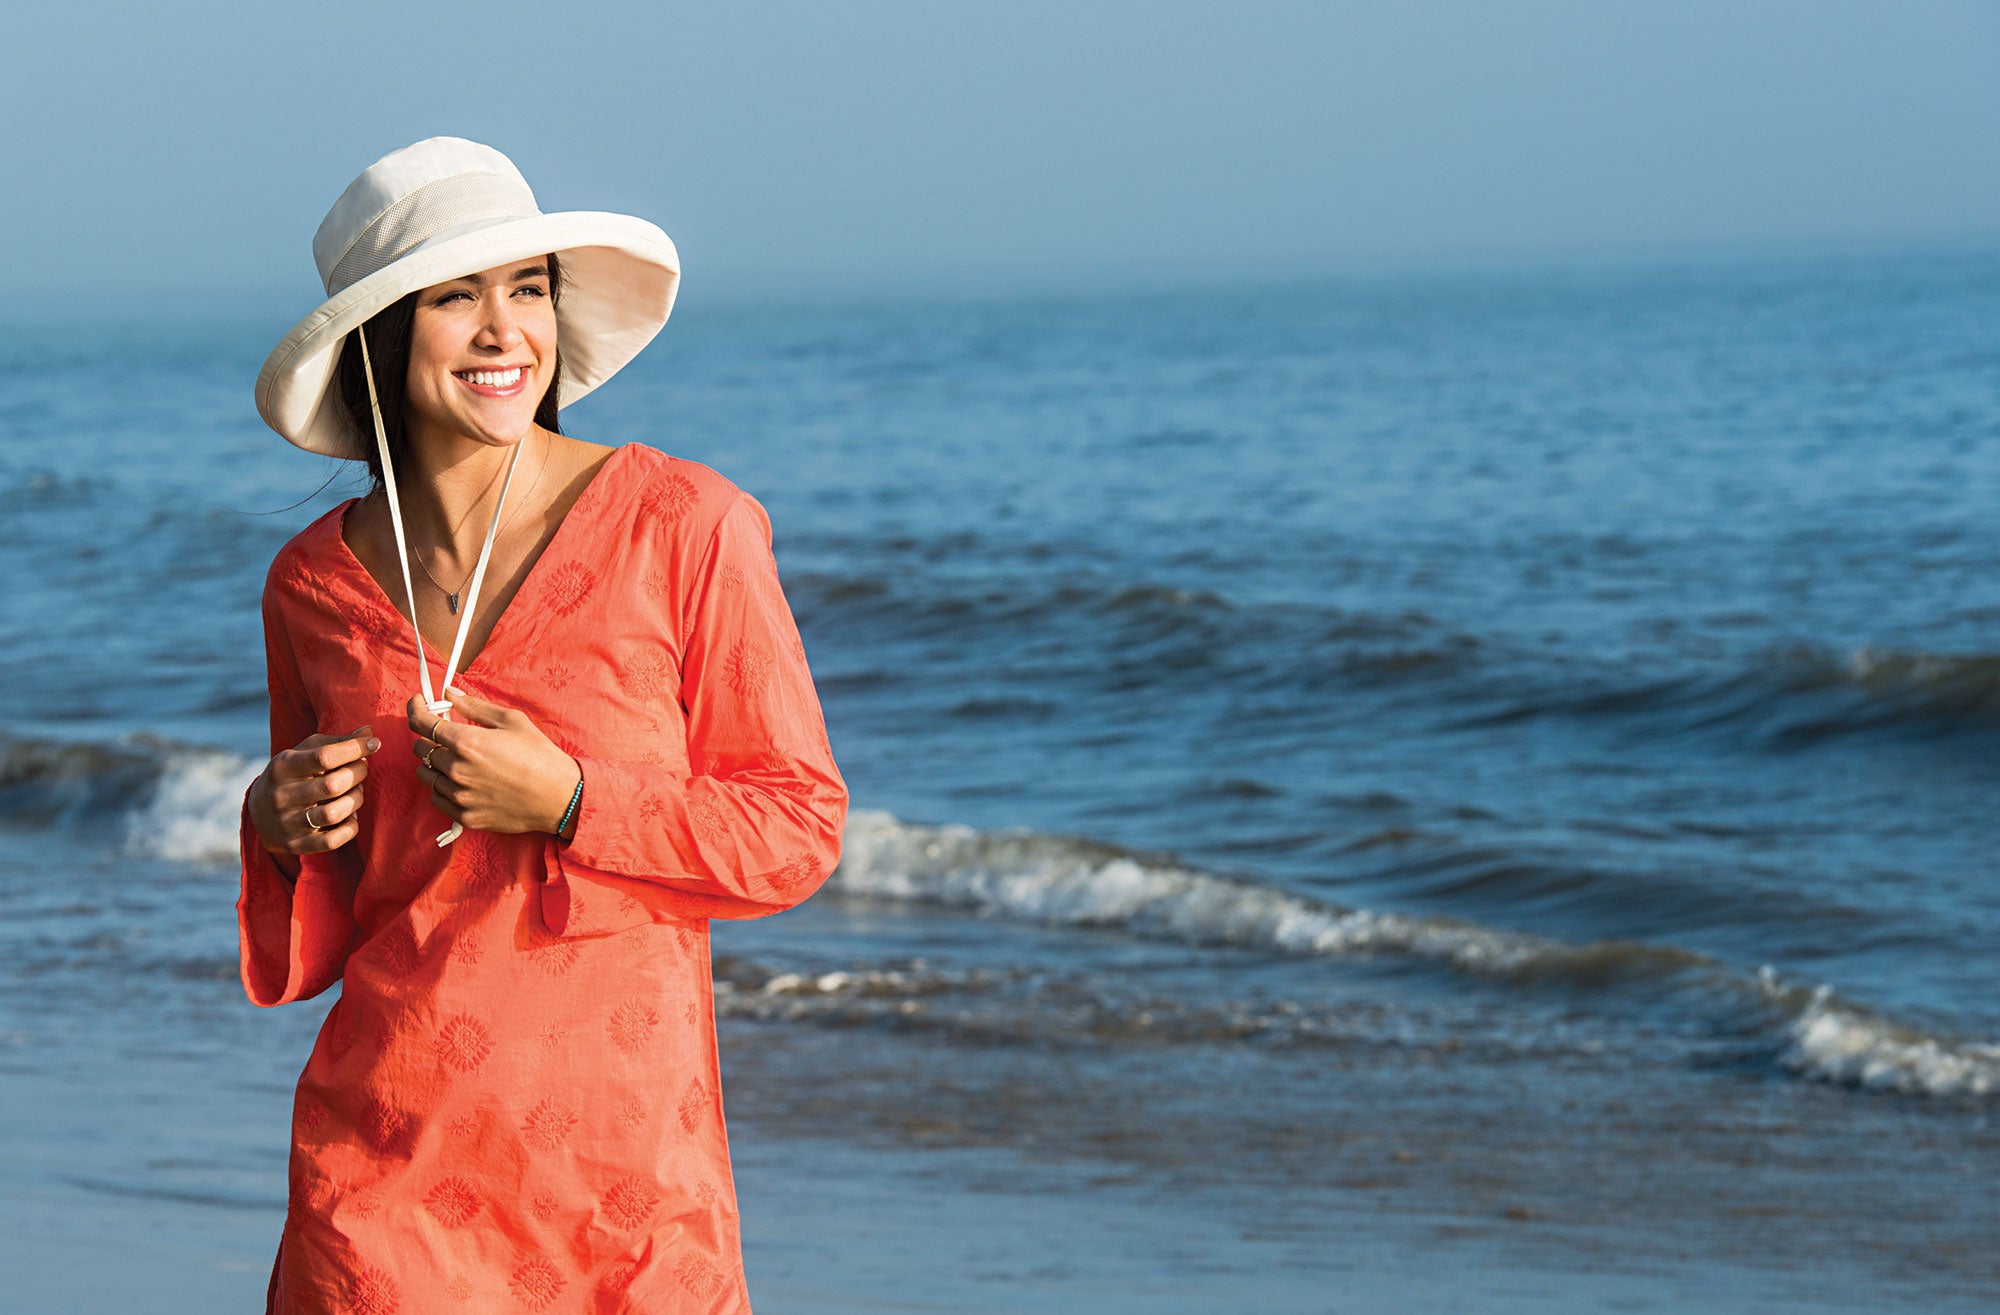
[(440, 706)]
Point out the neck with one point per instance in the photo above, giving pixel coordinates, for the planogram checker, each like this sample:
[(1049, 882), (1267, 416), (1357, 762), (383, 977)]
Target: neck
[(450, 484)]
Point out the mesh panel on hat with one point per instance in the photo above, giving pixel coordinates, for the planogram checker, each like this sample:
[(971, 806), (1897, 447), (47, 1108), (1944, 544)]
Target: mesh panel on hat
[(429, 210)]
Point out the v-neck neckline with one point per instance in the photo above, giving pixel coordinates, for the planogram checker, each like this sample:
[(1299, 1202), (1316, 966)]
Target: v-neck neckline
[(372, 590)]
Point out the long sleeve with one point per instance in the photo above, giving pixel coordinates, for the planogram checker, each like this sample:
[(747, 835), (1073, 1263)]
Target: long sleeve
[(755, 826), (293, 939)]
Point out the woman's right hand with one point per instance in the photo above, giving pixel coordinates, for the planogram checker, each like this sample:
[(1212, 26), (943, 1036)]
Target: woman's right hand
[(323, 776)]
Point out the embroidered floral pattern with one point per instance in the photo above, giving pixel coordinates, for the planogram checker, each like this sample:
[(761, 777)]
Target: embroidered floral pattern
[(557, 677), (619, 1278), (419, 868), (632, 1025), (548, 1124), (710, 823), (647, 675), (634, 1114), (693, 1101), (698, 1276), (748, 669), (372, 1292), (291, 576), (465, 951), (552, 954), (459, 1288), (705, 1193), (588, 501), (387, 1128), (552, 1035), (463, 1042), (569, 586), (798, 876), (391, 794), (464, 1125), (544, 1206), (730, 578), (536, 1282), (311, 1113), (380, 632), (670, 497), (630, 1203), (400, 951), (483, 869), (452, 1202)]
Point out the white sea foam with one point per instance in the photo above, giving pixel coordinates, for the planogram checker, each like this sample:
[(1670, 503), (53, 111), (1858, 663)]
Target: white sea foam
[(1053, 880), (193, 814), (1058, 881), (1837, 1042)]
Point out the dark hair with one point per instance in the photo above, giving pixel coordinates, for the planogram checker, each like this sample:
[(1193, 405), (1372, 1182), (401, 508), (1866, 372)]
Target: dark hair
[(389, 332)]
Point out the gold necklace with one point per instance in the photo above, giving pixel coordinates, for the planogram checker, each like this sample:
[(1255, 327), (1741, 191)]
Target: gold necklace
[(452, 595)]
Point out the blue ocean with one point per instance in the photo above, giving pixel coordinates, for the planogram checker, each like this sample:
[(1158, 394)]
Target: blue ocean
[(1401, 771)]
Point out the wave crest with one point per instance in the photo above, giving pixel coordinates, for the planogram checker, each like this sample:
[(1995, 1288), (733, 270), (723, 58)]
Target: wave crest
[(1055, 880)]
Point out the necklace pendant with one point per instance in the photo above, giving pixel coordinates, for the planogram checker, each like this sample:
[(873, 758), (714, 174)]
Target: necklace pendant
[(454, 604)]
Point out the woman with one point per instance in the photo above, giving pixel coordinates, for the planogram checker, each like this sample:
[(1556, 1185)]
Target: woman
[(516, 1102)]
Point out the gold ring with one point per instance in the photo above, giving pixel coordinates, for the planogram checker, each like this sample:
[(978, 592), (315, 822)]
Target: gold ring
[(309, 818), (434, 729), (427, 755)]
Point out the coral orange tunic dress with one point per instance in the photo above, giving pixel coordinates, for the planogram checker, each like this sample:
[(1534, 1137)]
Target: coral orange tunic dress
[(516, 1102)]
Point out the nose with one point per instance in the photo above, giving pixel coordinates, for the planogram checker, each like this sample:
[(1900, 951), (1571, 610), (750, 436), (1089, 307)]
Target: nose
[(499, 325)]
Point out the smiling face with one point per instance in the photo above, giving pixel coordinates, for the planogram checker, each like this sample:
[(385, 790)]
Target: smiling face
[(482, 353)]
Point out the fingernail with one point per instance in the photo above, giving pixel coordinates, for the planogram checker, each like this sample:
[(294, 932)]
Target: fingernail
[(454, 692), (373, 744)]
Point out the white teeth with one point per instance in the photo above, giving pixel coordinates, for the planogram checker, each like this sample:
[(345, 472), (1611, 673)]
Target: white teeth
[(492, 378)]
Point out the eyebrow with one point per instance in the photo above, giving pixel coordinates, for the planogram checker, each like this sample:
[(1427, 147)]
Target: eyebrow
[(525, 272)]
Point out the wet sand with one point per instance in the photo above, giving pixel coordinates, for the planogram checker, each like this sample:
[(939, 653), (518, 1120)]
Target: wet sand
[(1355, 1183), (1017, 1181)]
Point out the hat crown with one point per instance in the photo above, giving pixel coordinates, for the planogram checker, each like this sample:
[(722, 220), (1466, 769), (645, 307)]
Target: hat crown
[(410, 196)]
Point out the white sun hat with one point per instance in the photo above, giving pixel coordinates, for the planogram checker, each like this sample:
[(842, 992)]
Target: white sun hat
[(440, 209)]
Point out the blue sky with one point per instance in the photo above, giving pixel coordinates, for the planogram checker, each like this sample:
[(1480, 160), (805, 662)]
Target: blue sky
[(833, 146)]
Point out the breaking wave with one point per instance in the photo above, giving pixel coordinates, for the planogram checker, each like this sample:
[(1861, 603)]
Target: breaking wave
[(1058, 881), (166, 800), (180, 803)]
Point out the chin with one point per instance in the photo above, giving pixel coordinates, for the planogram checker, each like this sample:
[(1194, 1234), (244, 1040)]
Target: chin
[(499, 432)]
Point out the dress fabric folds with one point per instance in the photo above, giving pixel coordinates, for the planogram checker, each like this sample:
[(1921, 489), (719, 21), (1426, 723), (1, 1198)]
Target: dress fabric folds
[(515, 1104)]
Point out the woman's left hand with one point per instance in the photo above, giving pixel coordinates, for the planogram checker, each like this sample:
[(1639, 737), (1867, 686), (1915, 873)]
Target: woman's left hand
[(494, 770)]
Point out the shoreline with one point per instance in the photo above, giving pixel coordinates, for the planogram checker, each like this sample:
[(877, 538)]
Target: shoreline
[(976, 1186), (839, 1229), (1575, 1182)]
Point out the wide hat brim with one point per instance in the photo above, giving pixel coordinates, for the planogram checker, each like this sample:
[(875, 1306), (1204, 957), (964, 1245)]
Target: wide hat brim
[(620, 275)]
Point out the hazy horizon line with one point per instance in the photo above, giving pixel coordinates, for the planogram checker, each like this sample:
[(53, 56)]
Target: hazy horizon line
[(734, 286)]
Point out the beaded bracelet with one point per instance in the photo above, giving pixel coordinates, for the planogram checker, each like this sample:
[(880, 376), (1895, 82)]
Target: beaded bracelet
[(570, 812)]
